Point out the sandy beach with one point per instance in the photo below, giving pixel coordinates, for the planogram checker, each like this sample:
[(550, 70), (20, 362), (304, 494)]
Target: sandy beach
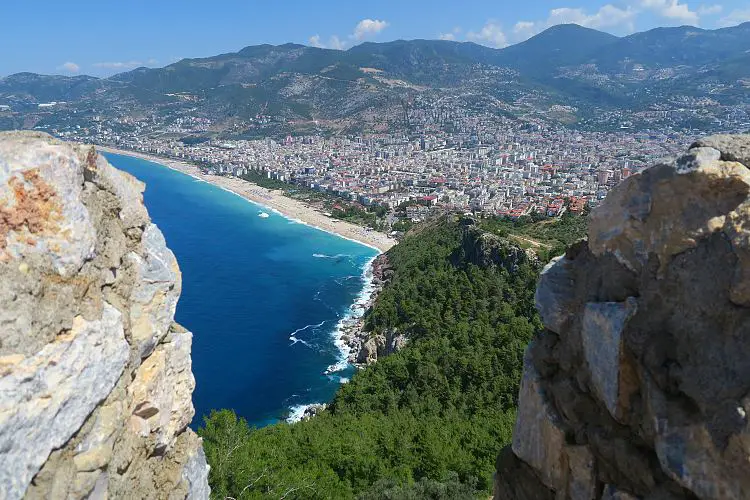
[(274, 200)]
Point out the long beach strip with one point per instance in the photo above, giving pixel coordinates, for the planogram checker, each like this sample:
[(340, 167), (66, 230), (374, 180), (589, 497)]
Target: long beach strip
[(288, 207)]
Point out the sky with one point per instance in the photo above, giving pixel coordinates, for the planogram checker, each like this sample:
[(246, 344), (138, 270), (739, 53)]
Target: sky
[(104, 37)]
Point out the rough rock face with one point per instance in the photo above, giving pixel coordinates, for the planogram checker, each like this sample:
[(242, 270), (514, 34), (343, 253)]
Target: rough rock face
[(485, 249), (95, 376), (381, 345), (640, 385)]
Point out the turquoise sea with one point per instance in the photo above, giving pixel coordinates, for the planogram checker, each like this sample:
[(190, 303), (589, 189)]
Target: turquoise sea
[(263, 296)]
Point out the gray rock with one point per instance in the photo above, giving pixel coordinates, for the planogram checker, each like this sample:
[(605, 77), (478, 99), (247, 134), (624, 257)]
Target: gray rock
[(554, 292), (45, 399), (50, 220), (195, 473), (650, 401), (612, 493), (95, 378), (732, 147), (582, 481), (156, 292), (538, 437), (601, 334)]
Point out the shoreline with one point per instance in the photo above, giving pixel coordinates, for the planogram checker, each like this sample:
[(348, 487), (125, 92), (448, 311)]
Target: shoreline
[(348, 330), (348, 336), (289, 208)]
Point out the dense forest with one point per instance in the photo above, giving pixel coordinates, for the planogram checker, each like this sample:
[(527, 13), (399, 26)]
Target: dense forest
[(548, 237), (425, 422)]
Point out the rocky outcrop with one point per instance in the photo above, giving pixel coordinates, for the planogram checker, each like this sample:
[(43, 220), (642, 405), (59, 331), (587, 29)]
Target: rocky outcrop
[(380, 345), (95, 376), (485, 249), (365, 346), (640, 386)]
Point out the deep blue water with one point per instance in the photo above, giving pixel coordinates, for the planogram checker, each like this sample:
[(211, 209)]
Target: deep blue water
[(248, 285)]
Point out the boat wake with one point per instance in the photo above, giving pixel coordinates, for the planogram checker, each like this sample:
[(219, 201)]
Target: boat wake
[(295, 340)]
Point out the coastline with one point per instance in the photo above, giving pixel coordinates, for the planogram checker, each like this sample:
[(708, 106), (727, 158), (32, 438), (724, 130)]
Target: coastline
[(272, 200), (347, 335)]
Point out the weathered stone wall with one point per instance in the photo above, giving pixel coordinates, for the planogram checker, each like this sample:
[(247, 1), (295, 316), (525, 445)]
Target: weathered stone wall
[(640, 385), (95, 376)]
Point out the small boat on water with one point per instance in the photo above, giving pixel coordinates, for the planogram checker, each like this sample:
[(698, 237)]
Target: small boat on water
[(263, 215)]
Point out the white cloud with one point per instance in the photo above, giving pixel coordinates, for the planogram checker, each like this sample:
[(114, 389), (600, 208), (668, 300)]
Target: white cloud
[(491, 34), (367, 27), (673, 10), (451, 35), (737, 16), (334, 42), (364, 29), (70, 67), (117, 65), (709, 10)]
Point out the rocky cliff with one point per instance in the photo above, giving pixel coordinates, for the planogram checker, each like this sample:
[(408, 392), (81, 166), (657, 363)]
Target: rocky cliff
[(485, 249), (95, 376), (640, 385)]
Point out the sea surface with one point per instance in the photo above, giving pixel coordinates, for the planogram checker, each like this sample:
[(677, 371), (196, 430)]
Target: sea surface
[(263, 295)]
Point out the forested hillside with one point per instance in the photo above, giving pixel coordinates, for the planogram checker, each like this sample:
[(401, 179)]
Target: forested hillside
[(426, 422)]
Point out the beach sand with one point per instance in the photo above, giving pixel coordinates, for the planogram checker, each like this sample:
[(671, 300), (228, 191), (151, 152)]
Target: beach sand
[(274, 200)]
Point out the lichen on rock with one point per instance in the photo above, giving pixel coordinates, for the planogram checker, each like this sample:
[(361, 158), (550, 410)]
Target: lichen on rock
[(640, 387), (95, 376)]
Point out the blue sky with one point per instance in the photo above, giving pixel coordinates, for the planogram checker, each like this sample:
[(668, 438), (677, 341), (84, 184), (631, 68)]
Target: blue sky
[(104, 37)]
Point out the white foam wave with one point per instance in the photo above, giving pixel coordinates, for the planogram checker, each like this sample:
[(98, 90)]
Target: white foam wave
[(296, 413), (300, 330), (295, 332), (355, 312), (337, 256), (296, 340)]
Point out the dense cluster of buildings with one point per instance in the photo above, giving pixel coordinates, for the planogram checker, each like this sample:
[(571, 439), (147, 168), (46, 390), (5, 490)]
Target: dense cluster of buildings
[(507, 172)]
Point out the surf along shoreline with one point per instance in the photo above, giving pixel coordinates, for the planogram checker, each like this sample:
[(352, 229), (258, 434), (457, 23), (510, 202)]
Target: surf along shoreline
[(271, 199), (348, 331)]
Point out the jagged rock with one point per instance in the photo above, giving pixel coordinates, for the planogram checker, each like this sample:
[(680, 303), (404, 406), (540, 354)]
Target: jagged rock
[(539, 437), (380, 345), (95, 377), (313, 410), (368, 353), (603, 346), (640, 386), (554, 292), (612, 493), (45, 398), (485, 249), (732, 147), (582, 482), (517, 481)]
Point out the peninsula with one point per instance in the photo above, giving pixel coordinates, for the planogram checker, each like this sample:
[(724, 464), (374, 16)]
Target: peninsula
[(273, 199)]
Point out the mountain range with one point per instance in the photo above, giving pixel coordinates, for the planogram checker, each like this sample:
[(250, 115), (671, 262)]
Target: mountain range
[(377, 85)]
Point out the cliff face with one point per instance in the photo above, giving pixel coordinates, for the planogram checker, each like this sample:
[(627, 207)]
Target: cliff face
[(640, 385), (95, 376), (485, 249)]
